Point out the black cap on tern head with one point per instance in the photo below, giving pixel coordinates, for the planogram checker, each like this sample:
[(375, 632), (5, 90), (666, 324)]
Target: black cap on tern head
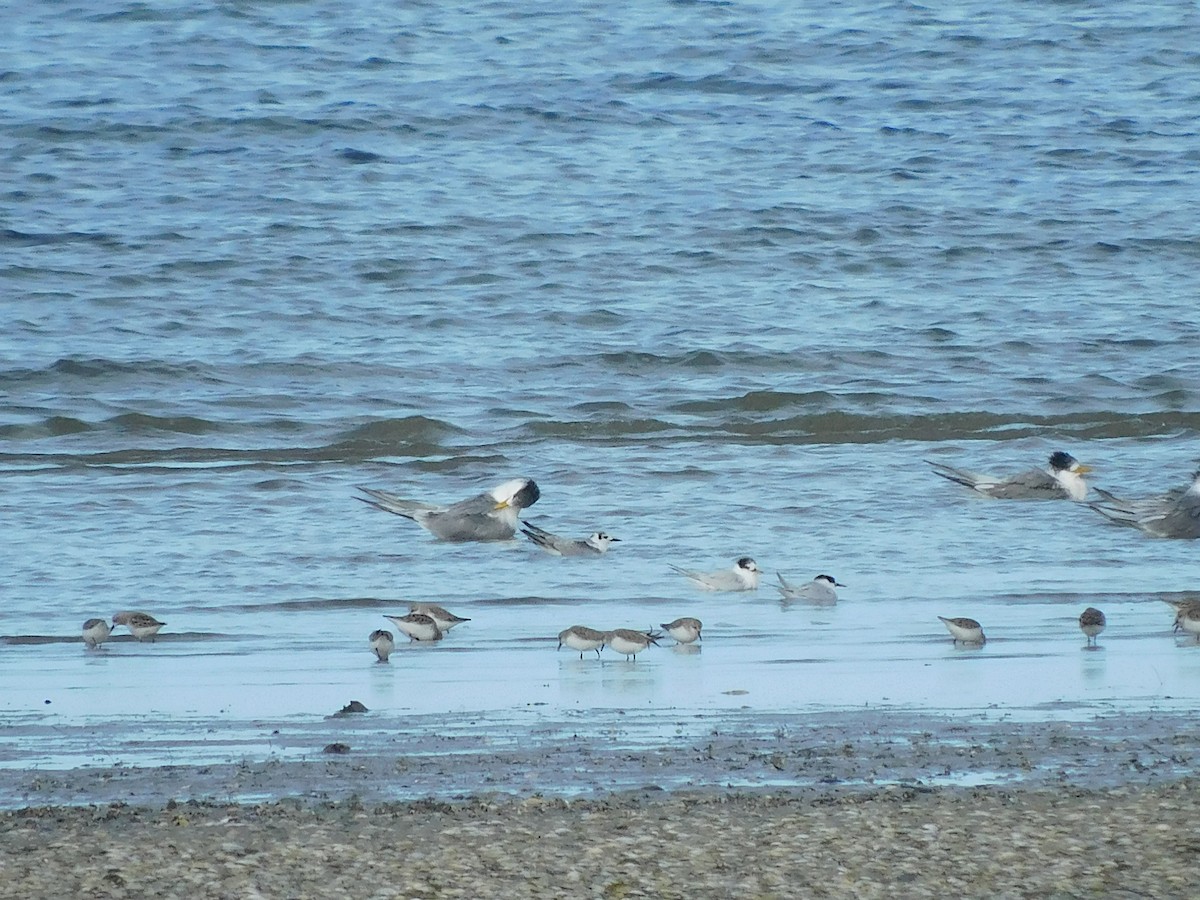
[(1060, 460)]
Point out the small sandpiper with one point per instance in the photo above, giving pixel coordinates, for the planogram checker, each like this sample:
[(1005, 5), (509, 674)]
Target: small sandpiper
[(444, 619), (1187, 618), (1091, 623), (95, 633), (968, 631), (581, 638), (418, 626), (141, 625), (629, 642), (382, 643), (684, 630)]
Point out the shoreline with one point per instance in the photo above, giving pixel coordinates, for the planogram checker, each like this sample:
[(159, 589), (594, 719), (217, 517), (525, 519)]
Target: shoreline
[(378, 759)]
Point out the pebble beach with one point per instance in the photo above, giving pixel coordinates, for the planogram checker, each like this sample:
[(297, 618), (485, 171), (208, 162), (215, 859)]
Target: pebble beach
[(1120, 842), (844, 804)]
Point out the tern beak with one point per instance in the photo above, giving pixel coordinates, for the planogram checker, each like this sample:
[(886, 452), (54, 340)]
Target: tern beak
[(1081, 469), (503, 504)]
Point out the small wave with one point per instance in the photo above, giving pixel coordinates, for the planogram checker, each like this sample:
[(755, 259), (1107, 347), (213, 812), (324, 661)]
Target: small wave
[(141, 423)]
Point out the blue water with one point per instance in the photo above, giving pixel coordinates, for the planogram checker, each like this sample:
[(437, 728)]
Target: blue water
[(720, 276)]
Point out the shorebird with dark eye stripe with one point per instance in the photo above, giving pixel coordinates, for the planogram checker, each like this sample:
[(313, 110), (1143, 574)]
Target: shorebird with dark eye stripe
[(742, 577), (581, 638), (1062, 481), (1091, 623), (491, 516), (964, 630)]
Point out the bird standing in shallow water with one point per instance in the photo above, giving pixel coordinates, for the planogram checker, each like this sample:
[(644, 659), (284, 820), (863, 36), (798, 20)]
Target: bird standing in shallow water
[(968, 631), (1091, 623)]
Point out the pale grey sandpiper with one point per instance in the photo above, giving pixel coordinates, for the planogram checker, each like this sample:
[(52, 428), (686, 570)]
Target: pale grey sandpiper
[(1091, 623), (418, 626), (743, 576), (595, 544), (1062, 480), (95, 633), (490, 516), (628, 642), (683, 630), (444, 619), (964, 630), (581, 638), (141, 625), (382, 644), (822, 589)]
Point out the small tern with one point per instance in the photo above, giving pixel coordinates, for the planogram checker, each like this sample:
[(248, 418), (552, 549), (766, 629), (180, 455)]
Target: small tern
[(821, 589), (742, 577), (491, 516), (1063, 480), (595, 544)]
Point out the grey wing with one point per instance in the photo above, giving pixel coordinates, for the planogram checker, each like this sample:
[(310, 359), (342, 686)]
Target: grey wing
[(1182, 521), (394, 503), (482, 504), (1032, 485), (540, 537), (960, 476)]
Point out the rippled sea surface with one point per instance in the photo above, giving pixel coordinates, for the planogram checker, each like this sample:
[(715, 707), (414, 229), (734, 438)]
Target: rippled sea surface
[(721, 277)]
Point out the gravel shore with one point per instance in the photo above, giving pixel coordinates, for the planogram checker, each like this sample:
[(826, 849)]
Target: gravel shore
[(885, 842)]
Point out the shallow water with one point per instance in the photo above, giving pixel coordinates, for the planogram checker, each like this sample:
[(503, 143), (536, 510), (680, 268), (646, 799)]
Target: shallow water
[(720, 281)]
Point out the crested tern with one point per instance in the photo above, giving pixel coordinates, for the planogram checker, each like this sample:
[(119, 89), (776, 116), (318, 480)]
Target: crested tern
[(491, 516), (1062, 480), (594, 544), (821, 589), (742, 577), (1175, 514)]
